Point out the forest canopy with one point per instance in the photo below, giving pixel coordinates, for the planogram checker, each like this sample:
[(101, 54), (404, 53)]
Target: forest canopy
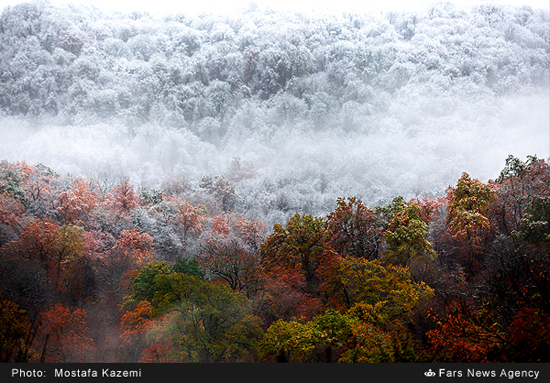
[(274, 186), (98, 273)]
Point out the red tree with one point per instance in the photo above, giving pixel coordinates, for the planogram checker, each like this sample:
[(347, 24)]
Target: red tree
[(230, 251), (356, 230), (123, 198), (76, 203), (64, 336)]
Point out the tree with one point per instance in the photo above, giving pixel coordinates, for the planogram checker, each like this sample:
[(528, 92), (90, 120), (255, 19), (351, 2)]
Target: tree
[(76, 203), (35, 242), (40, 190), (116, 209), (70, 249), (11, 210), (299, 245), (356, 230), (378, 294), (370, 344), (322, 339), (336, 337), (515, 187), (191, 267), (135, 244), (240, 170), (535, 223), (230, 252), (406, 234), (55, 248), (132, 251), (198, 321), (11, 214), (177, 226), (467, 218), (16, 333), (221, 189), (124, 198), (136, 323), (13, 177), (190, 219), (466, 336), (293, 341), (64, 336), (529, 337), (143, 284), (516, 274)]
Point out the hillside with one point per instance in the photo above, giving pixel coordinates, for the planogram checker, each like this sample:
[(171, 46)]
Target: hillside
[(373, 105), (274, 186)]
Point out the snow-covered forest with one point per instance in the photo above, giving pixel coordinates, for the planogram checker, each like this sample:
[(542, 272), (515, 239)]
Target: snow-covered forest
[(274, 185), (373, 105)]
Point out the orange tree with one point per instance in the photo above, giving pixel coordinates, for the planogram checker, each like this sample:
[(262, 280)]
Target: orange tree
[(135, 325), (77, 202), (16, 333), (123, 198), (465, 334), (529, 336), (55, 248)]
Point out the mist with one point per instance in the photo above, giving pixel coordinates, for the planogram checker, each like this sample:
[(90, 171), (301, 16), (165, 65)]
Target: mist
[(372, 105)]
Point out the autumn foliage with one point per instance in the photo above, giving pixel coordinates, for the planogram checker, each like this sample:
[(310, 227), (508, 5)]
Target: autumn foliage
[(92, 272), (65, 340)]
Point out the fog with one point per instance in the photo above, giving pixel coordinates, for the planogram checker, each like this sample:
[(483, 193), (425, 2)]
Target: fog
[(373, 105)]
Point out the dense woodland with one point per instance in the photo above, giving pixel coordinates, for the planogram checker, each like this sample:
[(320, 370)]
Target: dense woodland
[(90, 272), (190, 217)]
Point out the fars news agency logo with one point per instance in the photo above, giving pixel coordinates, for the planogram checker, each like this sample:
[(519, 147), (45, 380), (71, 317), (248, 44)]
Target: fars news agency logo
[(429, 373)]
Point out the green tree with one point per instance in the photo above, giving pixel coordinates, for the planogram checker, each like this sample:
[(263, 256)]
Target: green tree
[(291, 341), (406, 234), (202, 321), (321, 339), (189, 319), (188, 266), (379, 294), (143, 285), (535, 224), (299, 245)]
